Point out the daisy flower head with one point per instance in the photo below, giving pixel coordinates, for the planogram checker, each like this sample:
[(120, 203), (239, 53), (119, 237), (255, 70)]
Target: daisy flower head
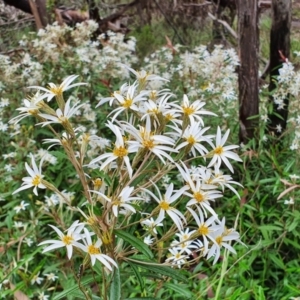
[(145, 139), (57, 90), (119, 153), (221, 153), (94, 250), (193, 138), (164, 205), (192, 111), (129, 102), (223, 237), (142, 76), (151, 224), (43, 296), (201, 198), (36, 279), (176, 257), (123, 89), (121, 201), (222, 180), (205, 227), (21, 206), (62, 116), (66, 240), (123, 198), (148, 240), (31, 108), (35, 179)]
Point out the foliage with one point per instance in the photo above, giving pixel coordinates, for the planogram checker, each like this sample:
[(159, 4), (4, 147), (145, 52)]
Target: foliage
[(267, 215)]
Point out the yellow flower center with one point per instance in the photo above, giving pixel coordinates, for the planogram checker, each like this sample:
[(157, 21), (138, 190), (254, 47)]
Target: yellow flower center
[(185, 237), (164, 205), (188, 110), (203, 230), (120, 152), (36, 180), (153, 111), (169, 117), (117, 202), (127, 103), (149, 144), (191, 140), (106, 238), (67, 240), (86, 137), (63, 120), (93, 250), (153, 95), (198, 196), (219, 150), (97, 183), (219, 240), (33, 111), (57, 90)]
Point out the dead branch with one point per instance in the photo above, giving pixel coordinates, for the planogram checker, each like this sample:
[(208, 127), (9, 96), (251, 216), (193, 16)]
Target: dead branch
[(225, 24), (170, 23), (197, 4)]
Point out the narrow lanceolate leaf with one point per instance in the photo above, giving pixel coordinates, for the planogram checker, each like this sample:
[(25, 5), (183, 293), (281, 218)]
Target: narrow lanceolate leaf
[(134, 242), (146, 298), (115, 287), (74, 288), (179, 289), (162, 270), (137, 274)]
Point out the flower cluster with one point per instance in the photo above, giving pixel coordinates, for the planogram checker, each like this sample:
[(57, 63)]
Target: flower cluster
[(74, 46), (209, 75), (153, 136)]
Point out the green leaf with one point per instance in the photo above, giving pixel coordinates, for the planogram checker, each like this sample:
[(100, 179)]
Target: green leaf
[(146, 298), (179, 289), (137, 274), (236, 294), (259, 291), (115, 287), (277, 261), (73, 289), (133, 241), (162, 270), (269, 227)]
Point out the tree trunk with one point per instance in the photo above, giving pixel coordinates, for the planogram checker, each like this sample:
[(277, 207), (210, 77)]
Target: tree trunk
[(248, 69), (36, 8), (279, 50)]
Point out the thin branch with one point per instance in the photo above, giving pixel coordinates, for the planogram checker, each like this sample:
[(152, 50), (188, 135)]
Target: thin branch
[(170, 23), (225, 24), (196, 4), (31, 18), (266, 71)]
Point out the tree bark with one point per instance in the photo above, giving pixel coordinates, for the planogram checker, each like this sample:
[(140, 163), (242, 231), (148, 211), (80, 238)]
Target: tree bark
[(248, 69), (32, 7), (279, 50)]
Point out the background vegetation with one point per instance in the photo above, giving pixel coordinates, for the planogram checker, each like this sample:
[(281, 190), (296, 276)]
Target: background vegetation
[(267, 215)]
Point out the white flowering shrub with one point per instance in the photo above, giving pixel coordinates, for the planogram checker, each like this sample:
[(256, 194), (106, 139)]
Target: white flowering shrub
[(210, 76), (63, 48), (135, 202)]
